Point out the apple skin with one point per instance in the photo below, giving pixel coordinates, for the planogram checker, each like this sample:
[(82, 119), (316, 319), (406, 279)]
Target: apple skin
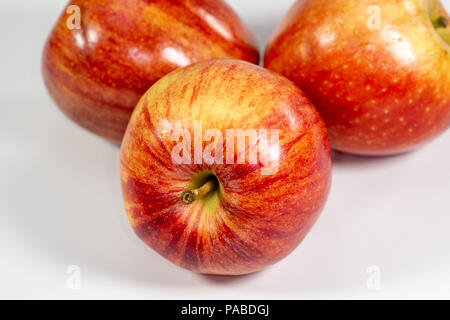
[(254, 220), (381, 91), (97, 74)]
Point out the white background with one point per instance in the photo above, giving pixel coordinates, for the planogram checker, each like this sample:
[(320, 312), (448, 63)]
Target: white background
[(61, 203)]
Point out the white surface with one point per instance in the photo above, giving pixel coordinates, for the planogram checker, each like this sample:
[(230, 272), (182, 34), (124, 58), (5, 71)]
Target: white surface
[(61, 203)]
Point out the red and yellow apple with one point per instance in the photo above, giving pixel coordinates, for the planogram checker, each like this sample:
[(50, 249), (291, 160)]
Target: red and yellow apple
[(97, 71), (378, 71), (198, 198)]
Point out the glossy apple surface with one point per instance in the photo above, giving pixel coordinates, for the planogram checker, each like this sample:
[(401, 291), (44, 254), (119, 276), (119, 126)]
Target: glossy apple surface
[(250, 220), (377, 71), (97, 74)]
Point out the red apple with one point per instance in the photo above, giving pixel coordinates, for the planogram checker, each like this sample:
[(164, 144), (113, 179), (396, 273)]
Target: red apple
[(96, 73), (377, 71), (225, 166)]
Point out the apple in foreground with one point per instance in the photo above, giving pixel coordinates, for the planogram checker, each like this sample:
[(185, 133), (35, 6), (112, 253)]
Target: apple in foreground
[(377, 71), (102, 56), (225, 166)]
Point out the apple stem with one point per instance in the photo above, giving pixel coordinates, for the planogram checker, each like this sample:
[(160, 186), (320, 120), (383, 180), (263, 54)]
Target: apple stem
[(440, 22), (189, 196)]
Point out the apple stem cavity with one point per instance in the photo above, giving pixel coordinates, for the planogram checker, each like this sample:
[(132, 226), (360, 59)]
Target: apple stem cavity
[(440, 22), (189, 196)]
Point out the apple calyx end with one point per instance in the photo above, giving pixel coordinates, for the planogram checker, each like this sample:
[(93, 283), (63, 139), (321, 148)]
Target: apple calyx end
[(440, 22)]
